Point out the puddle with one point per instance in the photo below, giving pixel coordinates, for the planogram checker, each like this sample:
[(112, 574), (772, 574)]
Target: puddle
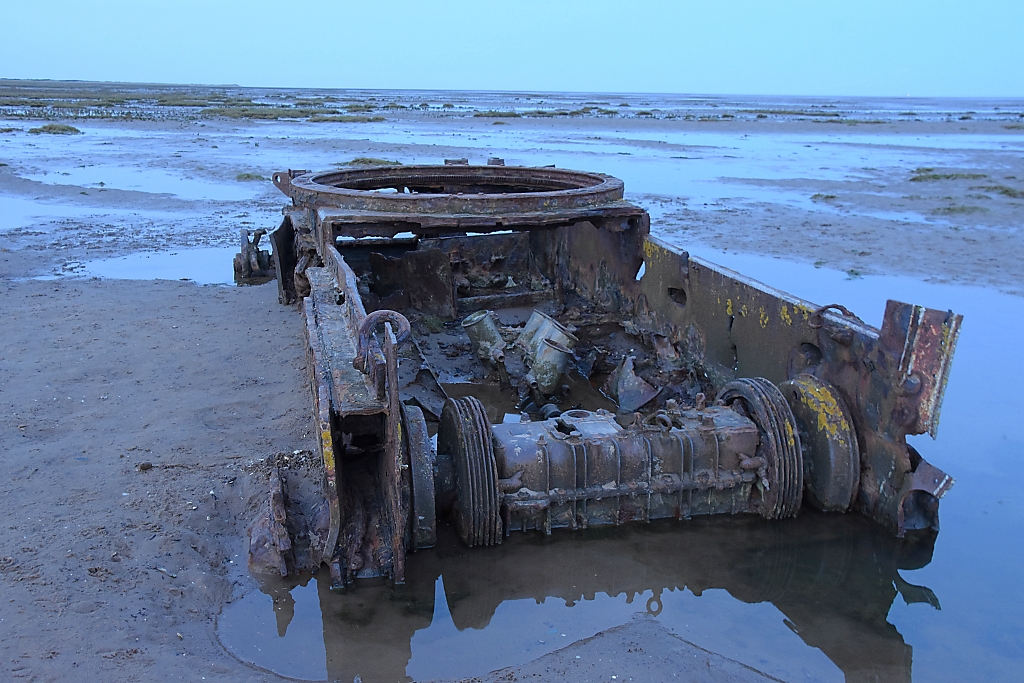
[(279, 631), (820, 597), (203, 265), (154, 180), (811, 594)]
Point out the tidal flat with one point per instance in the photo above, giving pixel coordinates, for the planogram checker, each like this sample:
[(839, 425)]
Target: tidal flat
[(111, 361)]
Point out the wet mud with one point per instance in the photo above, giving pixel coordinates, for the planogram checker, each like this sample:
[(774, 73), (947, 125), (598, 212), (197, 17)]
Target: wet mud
[(116, 571)]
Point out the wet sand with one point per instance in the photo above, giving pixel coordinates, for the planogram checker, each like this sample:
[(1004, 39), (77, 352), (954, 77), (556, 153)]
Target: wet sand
[(112, 572)]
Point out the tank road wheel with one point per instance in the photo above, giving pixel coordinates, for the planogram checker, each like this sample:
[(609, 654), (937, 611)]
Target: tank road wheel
[(420, 456), (828, 441), (782, 485), (465, 435)]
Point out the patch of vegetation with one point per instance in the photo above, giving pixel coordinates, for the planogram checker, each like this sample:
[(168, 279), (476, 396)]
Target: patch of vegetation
[(927, 174), (1003, 190), (500, 123), (266, 113), (9, 129), (433, 323), (790, 112), (1015, 126), (448, 105), (624, 104), (645, 112), (819, 263), (497, 114), (371, 161), (344, 118), (819, 197), (249, 176), (55, 129), (958, 210), (854, 274)]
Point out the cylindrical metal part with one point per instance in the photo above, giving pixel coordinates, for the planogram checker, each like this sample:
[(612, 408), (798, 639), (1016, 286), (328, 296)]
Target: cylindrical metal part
[(485, 337), (549, 363), (582, 468), (542, 326)]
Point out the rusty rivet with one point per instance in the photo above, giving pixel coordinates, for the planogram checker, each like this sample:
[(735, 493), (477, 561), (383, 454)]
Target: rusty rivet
[(911, 385)]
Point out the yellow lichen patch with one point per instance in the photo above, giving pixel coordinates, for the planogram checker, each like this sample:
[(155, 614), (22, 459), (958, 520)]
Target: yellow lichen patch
[(802, 310), (784, 314), (728, 306), (763, 318), (744, 310), (829, 415)]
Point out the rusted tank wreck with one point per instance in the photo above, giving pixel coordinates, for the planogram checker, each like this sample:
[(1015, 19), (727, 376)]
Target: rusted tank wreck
[(510, 349)]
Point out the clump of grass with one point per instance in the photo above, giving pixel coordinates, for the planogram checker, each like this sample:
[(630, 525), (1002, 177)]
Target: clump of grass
[(790, 112), (819, 197), (819, 263), (958, 210), (55, 129), (1003, 190), (371, 161), (448, 105), (926, 174), (497, 114), (249, 176), (1015, 126), (645, 112), (853, 274), (9, 129), (343, 118), (265, 113), (500, 123)]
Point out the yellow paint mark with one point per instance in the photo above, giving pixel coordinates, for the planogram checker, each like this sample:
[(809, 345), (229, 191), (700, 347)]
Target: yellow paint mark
[(784, 314), (763, 318)]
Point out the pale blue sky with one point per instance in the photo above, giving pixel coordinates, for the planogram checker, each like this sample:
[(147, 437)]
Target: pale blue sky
[(796, 47)]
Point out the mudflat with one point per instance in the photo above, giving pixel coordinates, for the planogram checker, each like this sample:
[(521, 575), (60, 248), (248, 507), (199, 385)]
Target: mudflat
[(138, 417)]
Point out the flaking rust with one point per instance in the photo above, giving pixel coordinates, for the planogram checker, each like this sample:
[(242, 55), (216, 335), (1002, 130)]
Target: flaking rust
[(577, 371)]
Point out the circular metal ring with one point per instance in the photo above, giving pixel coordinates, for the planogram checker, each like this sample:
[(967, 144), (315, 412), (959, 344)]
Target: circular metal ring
[(454, 189), (420, 457), (828, 440), (779, 443), (465, 435)]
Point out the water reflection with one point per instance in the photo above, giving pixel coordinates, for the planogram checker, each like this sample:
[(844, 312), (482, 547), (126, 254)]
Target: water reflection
[(828, 580)]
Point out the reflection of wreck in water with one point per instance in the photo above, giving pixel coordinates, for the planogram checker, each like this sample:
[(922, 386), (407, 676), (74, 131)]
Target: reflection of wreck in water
[(833, 579)]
